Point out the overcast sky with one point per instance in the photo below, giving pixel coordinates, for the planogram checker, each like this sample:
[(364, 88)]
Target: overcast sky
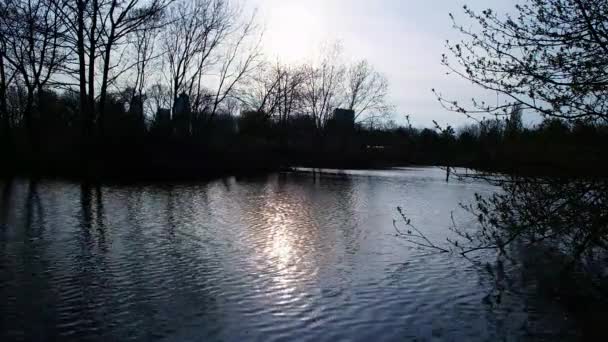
[(404, 39)]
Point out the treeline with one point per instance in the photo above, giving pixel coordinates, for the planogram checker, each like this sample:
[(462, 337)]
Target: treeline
[(93, 84), (166, 88), (190, 145), (553, 148)]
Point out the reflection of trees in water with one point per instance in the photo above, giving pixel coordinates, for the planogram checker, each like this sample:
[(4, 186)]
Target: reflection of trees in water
[(145, 277), (174, 263), (521, 299), (112, 272), (558, 231), (99, 209), (34, 211), (546, 239), (342, 194), (6, 200), (92, 216), (170, 212), (90, 265), (86, 213), (566, 217), (29, 299), (541, 240)]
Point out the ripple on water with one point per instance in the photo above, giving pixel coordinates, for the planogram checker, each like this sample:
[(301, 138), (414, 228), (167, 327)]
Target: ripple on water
[(283, 258)]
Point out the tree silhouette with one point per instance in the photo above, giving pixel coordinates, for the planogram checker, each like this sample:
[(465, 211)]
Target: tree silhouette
[(549, 58)]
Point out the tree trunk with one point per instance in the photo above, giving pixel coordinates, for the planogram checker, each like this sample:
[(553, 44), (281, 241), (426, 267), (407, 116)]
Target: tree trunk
[(104, 84), (84, 112), (4, 118), (29, 120), (92, 51)]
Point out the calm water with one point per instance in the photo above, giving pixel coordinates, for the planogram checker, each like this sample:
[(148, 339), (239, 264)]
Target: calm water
[(280, 258)]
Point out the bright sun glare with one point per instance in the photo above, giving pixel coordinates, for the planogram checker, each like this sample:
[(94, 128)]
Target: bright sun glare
[(292, 33)]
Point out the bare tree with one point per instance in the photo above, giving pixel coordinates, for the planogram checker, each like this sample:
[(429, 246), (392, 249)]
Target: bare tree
[(158, 97), (261, 95), (277, 92), (366, 91), (79, 19), (289, 91), (121, 18), (144, 44), (3, 86), (95, 29), (318, 90), (194, 33), (550, 57), (5, 81), (241, 57), (323, 85), (32, 45)]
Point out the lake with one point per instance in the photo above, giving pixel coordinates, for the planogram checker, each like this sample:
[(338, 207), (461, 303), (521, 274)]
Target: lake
[(284, 257)]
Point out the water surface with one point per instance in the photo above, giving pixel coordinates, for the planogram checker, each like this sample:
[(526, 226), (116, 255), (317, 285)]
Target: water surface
[(277, 258)]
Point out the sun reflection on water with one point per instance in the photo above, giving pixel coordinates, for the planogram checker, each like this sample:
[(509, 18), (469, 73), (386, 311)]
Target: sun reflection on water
[(280, 245), (287, 246)]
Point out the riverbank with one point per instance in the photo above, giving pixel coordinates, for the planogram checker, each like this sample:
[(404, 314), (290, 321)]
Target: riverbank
[(166, 164), (163, 168)]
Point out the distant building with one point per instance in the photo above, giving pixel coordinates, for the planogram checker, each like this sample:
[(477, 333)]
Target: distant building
[(163, 116), (344, 119), (136, 107), (162, 121), (181, 115), (181, 106)]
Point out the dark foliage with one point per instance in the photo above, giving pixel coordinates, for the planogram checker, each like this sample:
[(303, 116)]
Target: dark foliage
[(552, 204), (137, 146)]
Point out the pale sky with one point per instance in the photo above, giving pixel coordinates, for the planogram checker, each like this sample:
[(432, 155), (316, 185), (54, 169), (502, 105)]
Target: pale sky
[(403, 39)]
